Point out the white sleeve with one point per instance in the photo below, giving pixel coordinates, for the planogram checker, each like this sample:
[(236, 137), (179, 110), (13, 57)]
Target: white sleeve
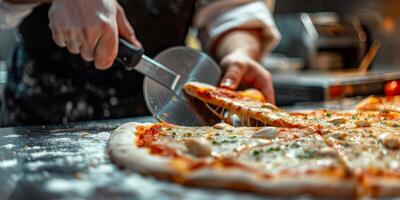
[(12, 14), (216, 17)]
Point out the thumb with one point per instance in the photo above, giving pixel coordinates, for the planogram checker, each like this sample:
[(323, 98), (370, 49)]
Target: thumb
[(233, 76), (125, 29)]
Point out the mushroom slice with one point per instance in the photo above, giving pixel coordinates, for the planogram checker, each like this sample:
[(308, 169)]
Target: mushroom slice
[(389, 141), (362, 123), (266, 133), (198, 147), (337, 120), (222, 126)]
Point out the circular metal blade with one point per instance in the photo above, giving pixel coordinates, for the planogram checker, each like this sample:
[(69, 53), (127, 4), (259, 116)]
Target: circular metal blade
[(175, 106)]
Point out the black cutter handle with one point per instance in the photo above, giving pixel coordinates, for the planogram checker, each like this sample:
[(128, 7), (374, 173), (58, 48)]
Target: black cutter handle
[(128, 55)]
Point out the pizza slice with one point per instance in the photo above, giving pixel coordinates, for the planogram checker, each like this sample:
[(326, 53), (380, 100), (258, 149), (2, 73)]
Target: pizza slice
[(248, 106), (301, 158), (268, 160), (385, 104), (373, 155)]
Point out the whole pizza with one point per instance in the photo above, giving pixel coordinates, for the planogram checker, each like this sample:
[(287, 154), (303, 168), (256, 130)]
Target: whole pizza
[(322, 153)]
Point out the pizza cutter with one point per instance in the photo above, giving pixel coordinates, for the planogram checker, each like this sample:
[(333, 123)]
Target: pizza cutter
[(165, 77)]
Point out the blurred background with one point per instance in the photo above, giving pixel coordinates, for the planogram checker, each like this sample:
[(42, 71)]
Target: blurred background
[(334, 49), (319, 36), (343, 19)]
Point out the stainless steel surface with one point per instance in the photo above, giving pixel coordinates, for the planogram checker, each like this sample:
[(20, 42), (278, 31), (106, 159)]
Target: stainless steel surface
[(320, 86), (174, 106), (324, 40), (325, 79), (71, 163), (340, 104), (158, 72)]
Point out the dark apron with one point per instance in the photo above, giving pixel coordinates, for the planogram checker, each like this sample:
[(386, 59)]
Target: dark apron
[(47, 85)]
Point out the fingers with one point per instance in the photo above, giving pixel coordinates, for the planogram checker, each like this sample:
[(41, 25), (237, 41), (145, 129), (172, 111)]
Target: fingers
[(73, 42), (70, 39), (233, 76), (106, 51), (125, 29), (246, 71), (89, 45), (101, 48), (268, 91), (58, 37), (236, 68), (87, 53), (265, 85), (83, 42), (261, 79), (88, 28)]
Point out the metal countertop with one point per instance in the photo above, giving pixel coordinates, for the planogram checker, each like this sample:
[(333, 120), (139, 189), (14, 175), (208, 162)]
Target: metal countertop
[(70, 162)]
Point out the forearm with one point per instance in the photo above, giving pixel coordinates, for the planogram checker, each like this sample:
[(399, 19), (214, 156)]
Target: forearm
[(225, 27), (12, 12), (239, 41)]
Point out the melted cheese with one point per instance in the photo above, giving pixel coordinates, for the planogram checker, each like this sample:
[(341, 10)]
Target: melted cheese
[(224, 141), (362, 150), (251, 111), (292, 151)]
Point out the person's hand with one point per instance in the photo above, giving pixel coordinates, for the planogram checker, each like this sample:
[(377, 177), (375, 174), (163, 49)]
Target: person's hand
[(90, 28), (242, 69)]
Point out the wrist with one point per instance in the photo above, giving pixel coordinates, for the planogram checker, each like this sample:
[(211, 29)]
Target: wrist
[(242, 42), (238, 53)]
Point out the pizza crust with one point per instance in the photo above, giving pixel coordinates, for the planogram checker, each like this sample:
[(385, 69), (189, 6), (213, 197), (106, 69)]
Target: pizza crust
[(282, 186), (383, 187), (124, 153)]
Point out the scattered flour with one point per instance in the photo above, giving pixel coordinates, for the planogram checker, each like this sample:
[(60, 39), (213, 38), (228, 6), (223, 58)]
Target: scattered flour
[(50, 153), (36, 165), (9, 146), (11, 136), (62, 185), (8, 163)]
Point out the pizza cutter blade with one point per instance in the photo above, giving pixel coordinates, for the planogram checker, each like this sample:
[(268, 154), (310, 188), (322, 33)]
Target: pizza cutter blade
[(165, 77)]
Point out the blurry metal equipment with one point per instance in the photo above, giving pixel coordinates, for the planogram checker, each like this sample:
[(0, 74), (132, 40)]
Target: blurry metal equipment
[(165, 77), (369, 57), (337, 60), (316, 85), (323, 40), (338, 43), (320, 86)]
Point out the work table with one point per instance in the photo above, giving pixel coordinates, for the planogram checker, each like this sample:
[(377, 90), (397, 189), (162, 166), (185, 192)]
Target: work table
[(71, 162)]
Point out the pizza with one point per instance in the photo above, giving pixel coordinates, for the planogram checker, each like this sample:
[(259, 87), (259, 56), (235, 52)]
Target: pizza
[(385, 104), (372, 154), (250, 109), (322, 153), (341, 162), (268, 160)]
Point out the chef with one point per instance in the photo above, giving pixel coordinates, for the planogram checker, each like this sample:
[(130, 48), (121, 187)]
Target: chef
[(62, 69)]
